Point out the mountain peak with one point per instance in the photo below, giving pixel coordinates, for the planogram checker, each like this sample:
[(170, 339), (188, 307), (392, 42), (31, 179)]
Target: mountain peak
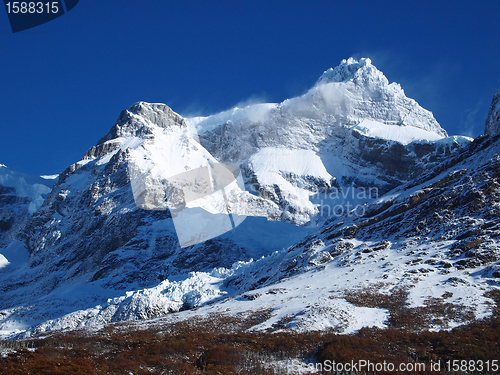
[(140, 118), (360, 72), (158, 114), (364, 92)]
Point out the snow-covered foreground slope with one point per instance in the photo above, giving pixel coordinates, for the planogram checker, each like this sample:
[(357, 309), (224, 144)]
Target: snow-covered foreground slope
[(329, 201)]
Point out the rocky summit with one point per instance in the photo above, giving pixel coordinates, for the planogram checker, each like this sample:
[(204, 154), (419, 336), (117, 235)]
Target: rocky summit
[(350, 187)]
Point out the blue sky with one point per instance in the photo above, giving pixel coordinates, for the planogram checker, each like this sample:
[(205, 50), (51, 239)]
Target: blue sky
[(64, 83)]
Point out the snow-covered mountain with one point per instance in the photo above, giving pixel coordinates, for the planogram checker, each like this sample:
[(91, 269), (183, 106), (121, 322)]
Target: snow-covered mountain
[(365, 132), (351, 184)]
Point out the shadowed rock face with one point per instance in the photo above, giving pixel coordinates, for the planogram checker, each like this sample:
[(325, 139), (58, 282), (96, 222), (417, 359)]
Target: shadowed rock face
[(493, 120), (10, 217), (398, 163)]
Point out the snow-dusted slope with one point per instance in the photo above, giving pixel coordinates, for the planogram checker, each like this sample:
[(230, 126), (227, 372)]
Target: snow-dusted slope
[(433, 237), (408, 241)]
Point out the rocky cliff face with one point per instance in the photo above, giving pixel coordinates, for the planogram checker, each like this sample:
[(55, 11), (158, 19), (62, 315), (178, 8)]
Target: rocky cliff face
[(11, 217), (493, 120), (397, 163)]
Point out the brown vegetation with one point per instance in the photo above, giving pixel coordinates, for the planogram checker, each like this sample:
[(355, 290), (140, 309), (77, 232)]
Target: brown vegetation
[(436, 312), (222, 345)]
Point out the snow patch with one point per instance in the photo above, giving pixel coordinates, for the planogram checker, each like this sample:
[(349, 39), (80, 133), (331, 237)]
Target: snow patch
[(15, 253), (50, 176), (300, 162), (3, 261), (397, 133)]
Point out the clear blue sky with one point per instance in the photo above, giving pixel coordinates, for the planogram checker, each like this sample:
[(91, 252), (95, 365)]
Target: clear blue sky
[(64, 83)]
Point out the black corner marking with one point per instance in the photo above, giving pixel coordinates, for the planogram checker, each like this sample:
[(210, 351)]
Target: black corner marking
[(70, 4), (24, 15)]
